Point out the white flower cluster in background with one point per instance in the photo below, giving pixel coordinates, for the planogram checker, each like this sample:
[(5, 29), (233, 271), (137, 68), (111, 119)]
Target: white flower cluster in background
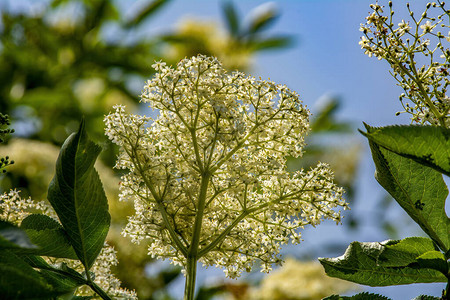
[(14, 209), (299, 280), (208, 176), (419, 56)]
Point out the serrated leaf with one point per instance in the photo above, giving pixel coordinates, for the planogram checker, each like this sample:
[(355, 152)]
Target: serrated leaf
[(360, 296), (76, 193), (12, 237), (359, 264), (425, 297), (427, 145), (419, 190), (404, 252), (49, 235)]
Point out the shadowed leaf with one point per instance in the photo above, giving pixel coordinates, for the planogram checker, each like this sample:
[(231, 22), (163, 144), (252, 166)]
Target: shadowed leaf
[(49, 235), (76, 193)]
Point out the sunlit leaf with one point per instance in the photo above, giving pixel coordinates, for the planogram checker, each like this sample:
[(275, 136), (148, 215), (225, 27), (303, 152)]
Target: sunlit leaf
[(428, 145), (360, 264), (419, 190)]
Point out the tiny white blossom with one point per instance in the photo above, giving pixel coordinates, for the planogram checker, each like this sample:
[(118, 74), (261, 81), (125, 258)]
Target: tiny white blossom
[(427, 27), (208, 176)]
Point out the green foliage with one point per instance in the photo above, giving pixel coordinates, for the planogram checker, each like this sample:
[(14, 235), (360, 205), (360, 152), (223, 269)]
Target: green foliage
[(77, 196), (49, 235), (360, 264), (12, 237), (409, 164), (419, 189), (360, 296), (427, 145), (4, 131), (76, 193), (56, 67)]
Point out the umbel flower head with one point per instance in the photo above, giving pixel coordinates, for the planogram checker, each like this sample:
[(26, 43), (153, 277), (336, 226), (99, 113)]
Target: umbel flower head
[(208, 176), (406, 46)]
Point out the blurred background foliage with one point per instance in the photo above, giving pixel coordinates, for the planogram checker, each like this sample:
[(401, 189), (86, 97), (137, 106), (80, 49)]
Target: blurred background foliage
[(56, 66)]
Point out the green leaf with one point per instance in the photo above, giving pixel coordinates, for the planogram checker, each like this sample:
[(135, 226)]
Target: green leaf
[(271, 43), (18, 280), (360, 296), (76, 193), (414, 252), (360, 264), (419, 190), (262, 17), (433, 260), (145, 12), (13, 237), (425, 297), (61, 277), (49, 235), (427, 145), (231, 18), (404, 252)]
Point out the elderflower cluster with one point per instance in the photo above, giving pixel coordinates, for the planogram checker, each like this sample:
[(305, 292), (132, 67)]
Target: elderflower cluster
[(208, 176), (14, 209), (419, 55)]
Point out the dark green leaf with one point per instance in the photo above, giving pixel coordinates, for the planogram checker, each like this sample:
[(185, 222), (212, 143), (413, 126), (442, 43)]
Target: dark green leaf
[(13, 237), (425, 297), (76, 193), (145, 12), (404, 252), (419, 190), (360, 296), (231, 18), (428, 145), (49, 235), (18, 280), (433, 260), (359, 264), (62, 269)]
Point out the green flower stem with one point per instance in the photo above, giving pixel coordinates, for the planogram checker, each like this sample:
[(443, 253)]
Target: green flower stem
[(99, 291), (192, 257), (191, 273)]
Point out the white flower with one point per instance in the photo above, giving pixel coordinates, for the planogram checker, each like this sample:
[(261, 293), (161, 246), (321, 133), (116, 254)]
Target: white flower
[(215, 159), (427, 27)]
